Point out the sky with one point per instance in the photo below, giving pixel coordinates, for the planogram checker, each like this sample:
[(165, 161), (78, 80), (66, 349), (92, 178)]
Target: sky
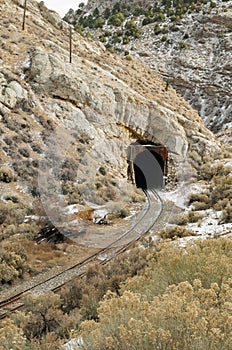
[(62, 6)]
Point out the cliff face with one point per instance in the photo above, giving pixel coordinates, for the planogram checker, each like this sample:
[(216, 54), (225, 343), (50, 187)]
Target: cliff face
[(80, 116), (201, 71), (191, 50)]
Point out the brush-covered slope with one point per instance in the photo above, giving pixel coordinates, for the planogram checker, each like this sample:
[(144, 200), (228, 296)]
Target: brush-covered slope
[(80, 116), (189, 43)]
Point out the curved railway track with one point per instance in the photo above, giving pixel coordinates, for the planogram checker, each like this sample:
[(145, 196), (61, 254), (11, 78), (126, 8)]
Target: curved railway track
[(146, 220)]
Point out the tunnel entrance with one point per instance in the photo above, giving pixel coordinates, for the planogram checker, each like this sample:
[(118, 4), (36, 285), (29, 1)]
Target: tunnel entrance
[(149, 165)]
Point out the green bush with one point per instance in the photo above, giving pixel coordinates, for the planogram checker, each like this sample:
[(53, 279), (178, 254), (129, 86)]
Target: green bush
[(138, 11), (136, 32), (133, 29), (117, 19), (159, 17), (116, 39), (102, 38), (99, 22), (130, 24), (126, 40), (183, 45), (157, 29), (165, 29), (147, 20), (107, 13)]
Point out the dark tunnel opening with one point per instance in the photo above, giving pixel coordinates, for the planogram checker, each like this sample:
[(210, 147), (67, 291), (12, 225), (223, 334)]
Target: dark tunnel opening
[(149, 168)]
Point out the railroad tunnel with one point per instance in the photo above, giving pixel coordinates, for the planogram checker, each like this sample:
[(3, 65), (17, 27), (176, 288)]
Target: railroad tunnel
[(148, 164)]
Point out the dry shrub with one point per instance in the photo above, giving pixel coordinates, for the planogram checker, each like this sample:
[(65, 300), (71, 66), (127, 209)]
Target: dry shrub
[(179, 219), (185, 317), (12, 265), (210, 261), (13, 213), (184, 302), (199, 197), (11, 336), (227, 214), (195, 156), (138, 196), (194, 216), (41, 316), (225, 152), (222, 203), (221, 188), (219, 194), (207, 171), (173, 232), (6, 174), (201, 206), (183, 219), (86, 294)]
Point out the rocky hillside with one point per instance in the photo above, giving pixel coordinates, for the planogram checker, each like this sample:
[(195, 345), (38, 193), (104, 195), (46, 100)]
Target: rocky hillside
[(188, 43), (65, 127)]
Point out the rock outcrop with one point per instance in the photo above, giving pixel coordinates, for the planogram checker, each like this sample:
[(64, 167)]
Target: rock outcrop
[(193, 53), (89, 111)]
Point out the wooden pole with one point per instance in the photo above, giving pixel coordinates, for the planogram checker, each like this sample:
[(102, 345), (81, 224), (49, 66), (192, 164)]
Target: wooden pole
[(24, 14), (70, 44)]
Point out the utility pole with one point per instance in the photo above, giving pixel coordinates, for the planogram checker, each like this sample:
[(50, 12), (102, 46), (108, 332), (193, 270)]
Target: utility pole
[(167, 85), (24, 14), (70, 44)]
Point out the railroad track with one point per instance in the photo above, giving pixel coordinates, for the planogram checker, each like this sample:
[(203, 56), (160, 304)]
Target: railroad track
[(148, 217)]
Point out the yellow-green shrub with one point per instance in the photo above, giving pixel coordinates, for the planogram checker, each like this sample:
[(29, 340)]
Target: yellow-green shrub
[(184, 302), (186, 317)]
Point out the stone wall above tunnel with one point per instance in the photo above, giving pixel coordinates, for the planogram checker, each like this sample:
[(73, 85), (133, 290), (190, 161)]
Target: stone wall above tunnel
[(106, 100)]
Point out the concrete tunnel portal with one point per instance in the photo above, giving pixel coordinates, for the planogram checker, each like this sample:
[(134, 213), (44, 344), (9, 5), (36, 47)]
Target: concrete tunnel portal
[(148, 165)]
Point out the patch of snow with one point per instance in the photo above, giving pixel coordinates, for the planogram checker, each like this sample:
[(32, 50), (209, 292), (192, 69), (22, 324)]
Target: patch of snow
[(22, 188), (180, 195), (100, 213), (72, 209), (29, 218), (102, 257), (210, 225), (73, 344)]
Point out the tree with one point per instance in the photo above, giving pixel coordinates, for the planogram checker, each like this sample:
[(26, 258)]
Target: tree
[(107, 13), (96, 12), (117, 19), (99, 22)]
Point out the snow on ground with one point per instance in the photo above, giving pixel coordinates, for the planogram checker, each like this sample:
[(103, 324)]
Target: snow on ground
[(73, 209), (180, 195), (210, 225), (73, 344)]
